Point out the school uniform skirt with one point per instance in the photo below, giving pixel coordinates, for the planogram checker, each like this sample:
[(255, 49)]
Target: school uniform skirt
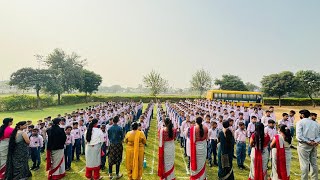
[(115, 153)]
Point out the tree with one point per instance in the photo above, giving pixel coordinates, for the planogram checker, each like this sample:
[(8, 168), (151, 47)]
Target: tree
[(91, 82), (278, 84), (155, 83), (115, 88), (26, 78), (231, 82), (201, 81), (308, 83), (252, 87), (68, 72)]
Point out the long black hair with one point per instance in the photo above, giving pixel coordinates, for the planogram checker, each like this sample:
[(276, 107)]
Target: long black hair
[(5, 124), (259, 136), (199, 122), (286, 132), (228, 144), (89, 131), (169, 125), (12, 141)]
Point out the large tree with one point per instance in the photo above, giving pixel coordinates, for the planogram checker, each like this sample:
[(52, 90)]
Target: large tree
[(231, 82), (308, 83), (278, 85), (91, 82), (155, 83), (201, 81), (68, 70), (29, 78)]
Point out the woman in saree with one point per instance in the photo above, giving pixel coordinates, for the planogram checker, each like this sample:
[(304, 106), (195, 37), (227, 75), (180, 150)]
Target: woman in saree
[(5, 133), (259, 154), (94, 138), (135, 140), (281, 154), (198, 147), (225, 153), (55, 151), (17, 162), (166, 151)]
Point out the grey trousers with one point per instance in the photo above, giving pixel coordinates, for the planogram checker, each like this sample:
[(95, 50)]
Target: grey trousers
[(308, 156)]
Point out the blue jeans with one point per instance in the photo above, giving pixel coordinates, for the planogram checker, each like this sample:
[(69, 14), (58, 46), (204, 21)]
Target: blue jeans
[(241, 153), (35, 156), (292, 131), (68, 155), (76, 149), (104, 158), (212, 150)]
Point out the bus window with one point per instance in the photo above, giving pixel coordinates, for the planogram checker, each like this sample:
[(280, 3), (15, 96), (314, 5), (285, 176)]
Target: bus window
[(231, 96), (224, 96), (239, 97)]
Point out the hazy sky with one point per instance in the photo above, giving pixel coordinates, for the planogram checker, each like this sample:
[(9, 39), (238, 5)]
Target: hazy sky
[(123, 40)]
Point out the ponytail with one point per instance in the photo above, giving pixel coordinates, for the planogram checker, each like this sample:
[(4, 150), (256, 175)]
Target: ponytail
[(228, 144), (169, 126), (5, 124), (286, 131), (89, 131), (199, 122)]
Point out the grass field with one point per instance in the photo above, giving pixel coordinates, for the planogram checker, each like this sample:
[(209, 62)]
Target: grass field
[(151, 151)]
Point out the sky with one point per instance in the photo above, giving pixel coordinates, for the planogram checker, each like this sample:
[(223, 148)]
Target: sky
[(124, 40)]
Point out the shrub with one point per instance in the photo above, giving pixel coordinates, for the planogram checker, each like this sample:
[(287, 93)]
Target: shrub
[(23, 102)]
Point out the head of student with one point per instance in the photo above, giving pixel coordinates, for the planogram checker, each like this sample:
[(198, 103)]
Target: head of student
[(168, 124), (286, 132), (68, 130), (253, 119), (314, 116), (241, 125), (5, 123), (271, 123), (304, 113), (35, 131), (213, 124)]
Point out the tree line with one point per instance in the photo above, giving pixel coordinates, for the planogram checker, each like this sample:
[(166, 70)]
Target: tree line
[(304, 83), (64, 73)]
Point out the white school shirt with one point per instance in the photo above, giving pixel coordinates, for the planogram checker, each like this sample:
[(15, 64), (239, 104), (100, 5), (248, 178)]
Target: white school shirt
[(270, 131), (265, 119), (213, 133), (240, 135)]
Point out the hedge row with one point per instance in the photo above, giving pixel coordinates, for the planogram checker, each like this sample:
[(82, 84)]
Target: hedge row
[(24, 102), (291, 101)]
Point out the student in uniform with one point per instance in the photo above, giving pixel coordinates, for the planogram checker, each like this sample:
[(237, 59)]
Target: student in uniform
[(250, 130), (36, 143), (281, 154), (43, 133), (83, 129), (266, 118), (285, 120), (240, 119), (291, 119), (213, 141), (104, 147), (240, 137), (68, 148), (77, 141), (270, 130)]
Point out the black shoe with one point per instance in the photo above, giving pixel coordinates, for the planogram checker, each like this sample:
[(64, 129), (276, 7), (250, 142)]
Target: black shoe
[(243, 167), (210, 164), (68, 169), (36, 168), (216, 164), (240, 167), (32, 168)]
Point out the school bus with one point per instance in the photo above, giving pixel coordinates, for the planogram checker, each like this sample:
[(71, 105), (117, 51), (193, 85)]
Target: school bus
[(236, 97)]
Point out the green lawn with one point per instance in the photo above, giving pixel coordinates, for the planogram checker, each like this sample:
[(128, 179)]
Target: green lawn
[(151, 152)]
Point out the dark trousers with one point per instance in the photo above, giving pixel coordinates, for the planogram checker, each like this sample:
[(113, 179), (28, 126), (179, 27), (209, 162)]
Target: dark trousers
[(212, 150), (181, 142), (76, 149), (117, 169), (68, 155), (35, 156), (185, 146), (104, 157), (241, 153), (43, 147)]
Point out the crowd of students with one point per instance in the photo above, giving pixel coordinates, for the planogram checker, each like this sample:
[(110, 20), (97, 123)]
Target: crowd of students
[(225, 131), (211, 132), (96, 132)]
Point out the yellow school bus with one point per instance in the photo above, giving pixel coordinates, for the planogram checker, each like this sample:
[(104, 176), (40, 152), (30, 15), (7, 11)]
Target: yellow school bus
[(236, 97)]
